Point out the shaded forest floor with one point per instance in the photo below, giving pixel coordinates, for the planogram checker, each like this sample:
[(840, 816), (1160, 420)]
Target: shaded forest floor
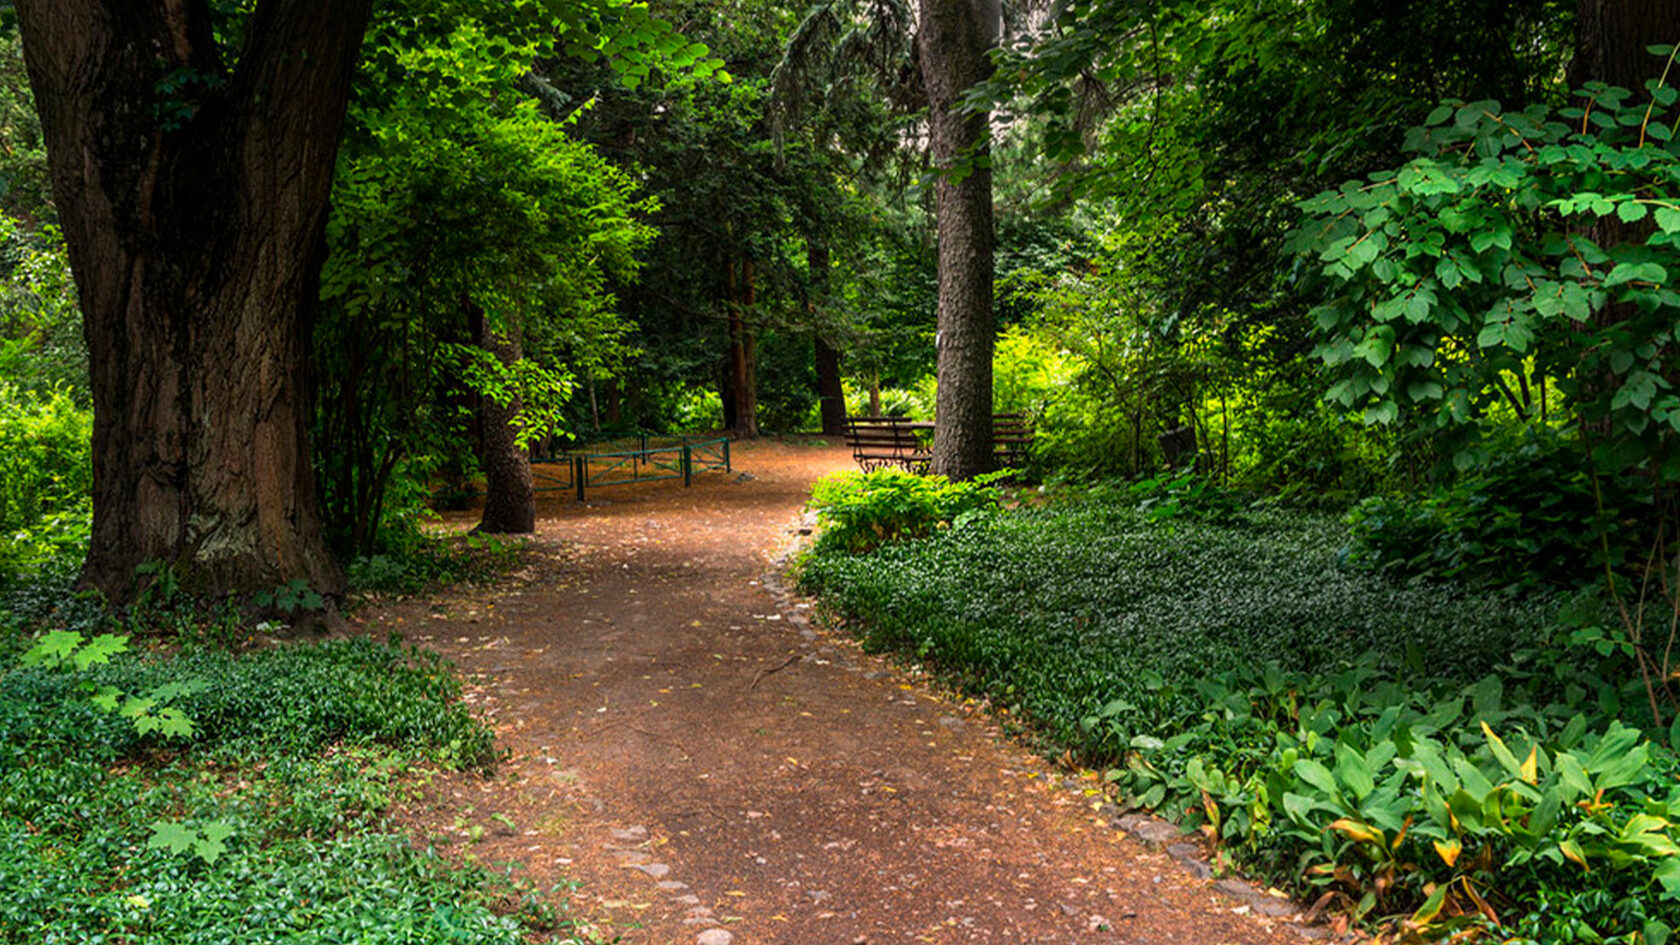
[(713, 768)]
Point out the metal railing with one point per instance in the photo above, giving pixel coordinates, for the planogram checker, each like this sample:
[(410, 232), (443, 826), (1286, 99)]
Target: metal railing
[(652, 459)]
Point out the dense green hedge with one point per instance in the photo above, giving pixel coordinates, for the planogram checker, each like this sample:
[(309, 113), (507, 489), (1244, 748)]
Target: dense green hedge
[(1407, 750)]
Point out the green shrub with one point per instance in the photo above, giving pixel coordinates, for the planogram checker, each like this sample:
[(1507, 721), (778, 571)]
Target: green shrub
[(861, 511), (1528, 516), (1419, 799)]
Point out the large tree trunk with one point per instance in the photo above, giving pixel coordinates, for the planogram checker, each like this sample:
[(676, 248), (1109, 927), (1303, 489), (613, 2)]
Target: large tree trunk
[(510, 499), (193, 201), (955, 35), (831, 394)]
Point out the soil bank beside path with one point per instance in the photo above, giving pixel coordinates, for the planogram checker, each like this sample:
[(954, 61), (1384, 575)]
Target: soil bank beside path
[(713, 769)]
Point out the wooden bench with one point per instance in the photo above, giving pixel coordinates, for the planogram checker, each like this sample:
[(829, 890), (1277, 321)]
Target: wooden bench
[(1012, 439), (878, 442)]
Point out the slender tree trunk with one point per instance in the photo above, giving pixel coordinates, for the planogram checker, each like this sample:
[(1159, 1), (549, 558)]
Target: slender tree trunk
[(831, 393), (741, 387), (510, 501), (955, 36), (194, 219)]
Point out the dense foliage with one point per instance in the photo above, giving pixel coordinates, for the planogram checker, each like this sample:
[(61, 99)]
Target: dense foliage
[(1398, 749)]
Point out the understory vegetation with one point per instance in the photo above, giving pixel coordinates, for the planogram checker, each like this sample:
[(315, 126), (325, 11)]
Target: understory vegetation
[(1411, 749), (267, 823)]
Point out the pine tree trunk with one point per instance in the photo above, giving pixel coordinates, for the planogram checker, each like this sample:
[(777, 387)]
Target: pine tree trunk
[(831, 393), (955, 35), (194, 220), (510, 500)]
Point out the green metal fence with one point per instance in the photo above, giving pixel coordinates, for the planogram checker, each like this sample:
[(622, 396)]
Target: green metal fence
[(640, 457)]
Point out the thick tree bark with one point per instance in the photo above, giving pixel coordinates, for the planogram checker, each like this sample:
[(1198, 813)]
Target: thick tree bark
[(193, 200), (831, 394), (510, 499), (1611, 36), (955, 36)]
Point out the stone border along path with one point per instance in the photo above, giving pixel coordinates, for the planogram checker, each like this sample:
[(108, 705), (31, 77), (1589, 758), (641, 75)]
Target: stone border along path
[(714, 768)]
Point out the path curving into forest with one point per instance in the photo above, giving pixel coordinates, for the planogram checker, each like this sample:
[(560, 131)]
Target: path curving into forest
[(712, 768)]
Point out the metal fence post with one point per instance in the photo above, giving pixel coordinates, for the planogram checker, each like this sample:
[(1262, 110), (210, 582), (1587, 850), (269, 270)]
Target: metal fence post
[(726, 466), (580, 469), (687, 467)]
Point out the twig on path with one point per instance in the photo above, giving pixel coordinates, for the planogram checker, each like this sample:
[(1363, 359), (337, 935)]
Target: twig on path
[(784, 664), (662, 738)]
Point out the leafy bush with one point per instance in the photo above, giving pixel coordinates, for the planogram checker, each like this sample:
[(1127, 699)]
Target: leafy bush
[(1354, 763), (41, 344), (1427, 799), (860, 512), (915, 402), (1525, 516), (266, 826), (46, 475)]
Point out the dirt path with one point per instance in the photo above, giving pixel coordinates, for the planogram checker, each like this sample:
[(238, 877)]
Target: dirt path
[(712, 768)]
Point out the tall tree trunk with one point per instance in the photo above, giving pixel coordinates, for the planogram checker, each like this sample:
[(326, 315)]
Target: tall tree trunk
[(194, 219), (510, 501), (831, 394), (955, 35), (742, 386)]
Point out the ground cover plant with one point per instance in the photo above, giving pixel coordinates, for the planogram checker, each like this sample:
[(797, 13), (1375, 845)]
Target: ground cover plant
[(263, 820), (1410, 751)]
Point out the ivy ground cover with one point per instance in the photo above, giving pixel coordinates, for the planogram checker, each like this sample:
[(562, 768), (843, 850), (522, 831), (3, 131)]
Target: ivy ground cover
[(266, 824), (1412, 755)]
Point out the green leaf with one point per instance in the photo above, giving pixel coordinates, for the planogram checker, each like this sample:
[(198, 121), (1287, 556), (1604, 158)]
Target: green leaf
[(100, 649), (211, 845), (1668, 219), (1631, 272), (1668, 874), (53, 649), (1317, 775), (1352, 771), (1501, 753), (172, 836), (1631, 211), (1573, 775)]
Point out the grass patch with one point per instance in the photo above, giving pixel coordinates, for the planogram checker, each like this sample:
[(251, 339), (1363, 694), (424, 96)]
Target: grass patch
[(266, 825)]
